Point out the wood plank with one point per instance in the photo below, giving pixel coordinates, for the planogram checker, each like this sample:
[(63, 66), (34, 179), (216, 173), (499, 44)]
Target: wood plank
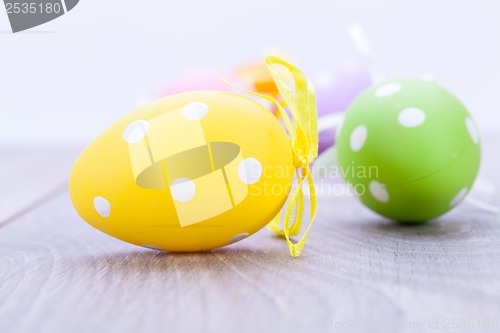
[(31, 175), (64, 276), (359, 273)]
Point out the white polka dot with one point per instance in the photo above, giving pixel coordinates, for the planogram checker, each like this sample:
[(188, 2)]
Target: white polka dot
[(379, 191), (388, 89), (411, 117), (183, 189), (473, 132), (459, 197), (195, 111), (102, 206), (152, 247), (136, 131), (250, 170), (238, 237), (358, 137)]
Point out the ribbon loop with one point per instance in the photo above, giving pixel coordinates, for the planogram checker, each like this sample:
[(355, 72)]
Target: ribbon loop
[(303, 132)]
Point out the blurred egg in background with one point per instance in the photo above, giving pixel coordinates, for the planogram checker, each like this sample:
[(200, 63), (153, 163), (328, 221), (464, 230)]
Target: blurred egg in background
[(203, 79), (336, 87)]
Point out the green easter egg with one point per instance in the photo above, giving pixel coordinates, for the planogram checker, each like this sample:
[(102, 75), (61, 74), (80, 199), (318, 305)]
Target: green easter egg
[(410, 150)]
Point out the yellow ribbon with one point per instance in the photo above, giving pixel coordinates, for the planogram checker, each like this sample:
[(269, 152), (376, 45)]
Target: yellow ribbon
[(303, 132)]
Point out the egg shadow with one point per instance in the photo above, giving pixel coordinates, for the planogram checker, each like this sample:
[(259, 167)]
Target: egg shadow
[(436, 228), (142, 261)]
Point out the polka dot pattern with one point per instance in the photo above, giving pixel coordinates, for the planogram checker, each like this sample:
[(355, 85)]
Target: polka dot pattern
[(378, 191), (358, 137), (388, 89), (102, 206), (411, 117), (459, 197), (183, 189), (238, 237), (472, 129), (195, 111), (136, 131), (250, 170), (406, 138)]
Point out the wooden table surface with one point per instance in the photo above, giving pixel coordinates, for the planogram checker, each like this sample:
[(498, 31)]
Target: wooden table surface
[(358, 273)]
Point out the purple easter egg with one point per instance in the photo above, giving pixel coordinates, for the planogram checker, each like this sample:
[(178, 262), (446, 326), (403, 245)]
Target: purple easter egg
[(335, 89)]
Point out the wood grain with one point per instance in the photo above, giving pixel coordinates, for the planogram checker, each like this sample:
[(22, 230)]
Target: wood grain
[(31, 175), (358, 273)]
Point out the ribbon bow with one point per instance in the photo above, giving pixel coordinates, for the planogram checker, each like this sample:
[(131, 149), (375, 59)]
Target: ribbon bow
[(303, 132), (302, 129)]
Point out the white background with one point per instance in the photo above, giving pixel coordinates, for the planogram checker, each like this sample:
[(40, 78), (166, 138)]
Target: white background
[(67, 80)]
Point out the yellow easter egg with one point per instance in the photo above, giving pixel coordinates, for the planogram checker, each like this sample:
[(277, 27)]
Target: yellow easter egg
[(189, 172)]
